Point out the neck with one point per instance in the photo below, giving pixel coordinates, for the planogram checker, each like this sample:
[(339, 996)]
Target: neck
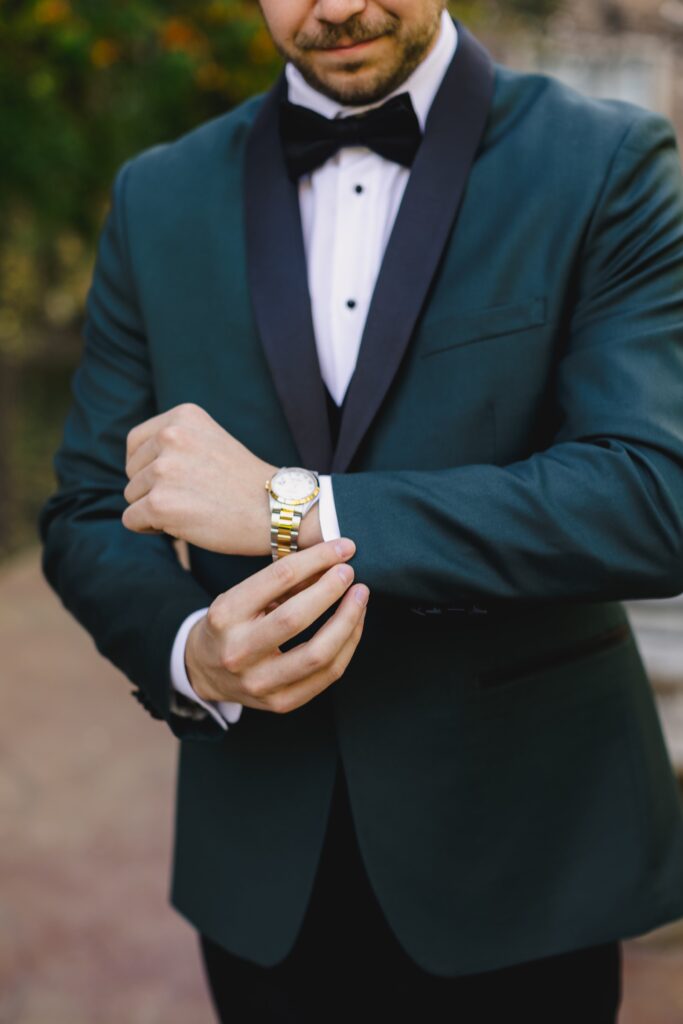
[(422, 83)]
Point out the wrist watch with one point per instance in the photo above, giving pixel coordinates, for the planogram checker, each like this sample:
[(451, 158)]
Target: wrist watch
[(292, 492)]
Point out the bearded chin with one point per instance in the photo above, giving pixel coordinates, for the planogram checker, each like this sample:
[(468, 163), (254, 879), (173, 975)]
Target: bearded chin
[(382, 80), (377, 85)]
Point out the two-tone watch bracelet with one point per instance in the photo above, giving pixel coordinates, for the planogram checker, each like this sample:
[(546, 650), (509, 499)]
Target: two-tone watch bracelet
[(284, 530)]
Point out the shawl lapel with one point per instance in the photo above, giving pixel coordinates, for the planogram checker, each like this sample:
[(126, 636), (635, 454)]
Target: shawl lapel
[(277, 263)]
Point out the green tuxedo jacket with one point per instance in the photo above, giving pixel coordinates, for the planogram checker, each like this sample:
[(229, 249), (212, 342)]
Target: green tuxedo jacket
[(510, 466)]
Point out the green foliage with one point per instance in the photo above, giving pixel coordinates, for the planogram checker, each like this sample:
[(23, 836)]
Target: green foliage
[(504, 15), (85, 84), (534, 9)]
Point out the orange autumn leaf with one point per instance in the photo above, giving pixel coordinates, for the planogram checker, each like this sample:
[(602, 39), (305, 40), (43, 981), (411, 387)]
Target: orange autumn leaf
[(180, 35), (219, 13), (212, 77), (261, 49), (104, 53), (50, 12)]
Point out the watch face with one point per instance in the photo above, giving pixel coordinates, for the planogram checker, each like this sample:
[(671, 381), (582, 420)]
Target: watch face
[(293, 484)]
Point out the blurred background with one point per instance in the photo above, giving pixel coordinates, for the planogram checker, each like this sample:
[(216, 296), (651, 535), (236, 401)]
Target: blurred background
[(86, 787)]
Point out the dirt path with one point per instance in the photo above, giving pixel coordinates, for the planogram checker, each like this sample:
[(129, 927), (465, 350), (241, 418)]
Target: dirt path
[(86, 798)]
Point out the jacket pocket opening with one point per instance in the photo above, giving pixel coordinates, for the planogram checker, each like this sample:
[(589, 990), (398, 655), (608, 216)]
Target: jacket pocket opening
[(552, 659)]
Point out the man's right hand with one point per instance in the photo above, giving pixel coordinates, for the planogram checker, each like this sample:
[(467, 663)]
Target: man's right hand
[(232, 653)]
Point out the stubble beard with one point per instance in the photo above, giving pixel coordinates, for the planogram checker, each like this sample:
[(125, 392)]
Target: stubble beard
[(406, 54)]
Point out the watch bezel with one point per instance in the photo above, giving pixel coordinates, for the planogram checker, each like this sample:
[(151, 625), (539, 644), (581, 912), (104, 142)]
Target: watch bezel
[(292, 502)]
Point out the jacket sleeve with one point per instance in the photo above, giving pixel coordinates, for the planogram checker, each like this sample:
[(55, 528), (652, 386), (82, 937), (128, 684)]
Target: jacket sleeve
[(128, 590), (598, 514)]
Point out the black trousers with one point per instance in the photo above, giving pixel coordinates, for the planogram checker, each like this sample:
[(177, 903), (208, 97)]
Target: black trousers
[(346, 963)]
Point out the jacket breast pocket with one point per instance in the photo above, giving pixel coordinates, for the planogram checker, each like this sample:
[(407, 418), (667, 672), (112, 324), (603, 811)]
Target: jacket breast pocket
[(468, 326)]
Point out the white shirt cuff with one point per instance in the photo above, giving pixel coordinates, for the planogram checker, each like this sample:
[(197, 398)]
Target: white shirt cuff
[(329, 524), (222, 710)]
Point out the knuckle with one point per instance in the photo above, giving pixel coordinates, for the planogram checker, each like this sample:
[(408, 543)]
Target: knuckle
[(233, 659), (286, 618), (220, 617), (256, 687), (157, 510), (156, 500), (227, 603), (170, 433), (153, 513), (336, 670), (189, 409), (315, 658), (283, 570), (160, 467), (215, 617), (281, 704)]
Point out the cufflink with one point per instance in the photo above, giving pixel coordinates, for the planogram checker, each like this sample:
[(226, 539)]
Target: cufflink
[(186, 708)]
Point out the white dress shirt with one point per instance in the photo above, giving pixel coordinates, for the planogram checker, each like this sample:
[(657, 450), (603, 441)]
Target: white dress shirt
[(348, 206)]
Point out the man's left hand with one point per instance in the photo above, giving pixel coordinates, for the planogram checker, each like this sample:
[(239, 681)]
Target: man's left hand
[(193, 480)]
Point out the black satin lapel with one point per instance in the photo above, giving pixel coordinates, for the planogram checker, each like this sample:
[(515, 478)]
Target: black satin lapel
[(278, 283), (454, 128)]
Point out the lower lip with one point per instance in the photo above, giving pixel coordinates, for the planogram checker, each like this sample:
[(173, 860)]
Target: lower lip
[(352, 49)]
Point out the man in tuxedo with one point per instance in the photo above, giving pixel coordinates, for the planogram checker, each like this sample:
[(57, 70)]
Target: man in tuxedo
[(431, 308)]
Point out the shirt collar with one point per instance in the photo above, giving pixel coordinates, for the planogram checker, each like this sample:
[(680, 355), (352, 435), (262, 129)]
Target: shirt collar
[(422, 84)]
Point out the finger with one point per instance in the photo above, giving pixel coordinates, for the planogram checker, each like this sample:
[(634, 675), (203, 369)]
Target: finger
[(143, 431), (141, 484), (249, 597), (292, 616), (290, 697), (150, 530), (152, 513), (317, 654), (295, 590), (144, 454), (290, 593), (136, 518)]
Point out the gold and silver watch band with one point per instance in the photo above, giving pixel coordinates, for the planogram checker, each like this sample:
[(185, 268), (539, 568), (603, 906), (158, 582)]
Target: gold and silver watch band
[(284, 529)]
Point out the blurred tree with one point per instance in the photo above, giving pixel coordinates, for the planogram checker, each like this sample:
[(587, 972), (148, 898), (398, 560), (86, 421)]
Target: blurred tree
[(534, 9), (84, 84)]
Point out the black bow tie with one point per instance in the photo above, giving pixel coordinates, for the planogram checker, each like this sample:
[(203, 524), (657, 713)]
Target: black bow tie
[(309, 139)]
